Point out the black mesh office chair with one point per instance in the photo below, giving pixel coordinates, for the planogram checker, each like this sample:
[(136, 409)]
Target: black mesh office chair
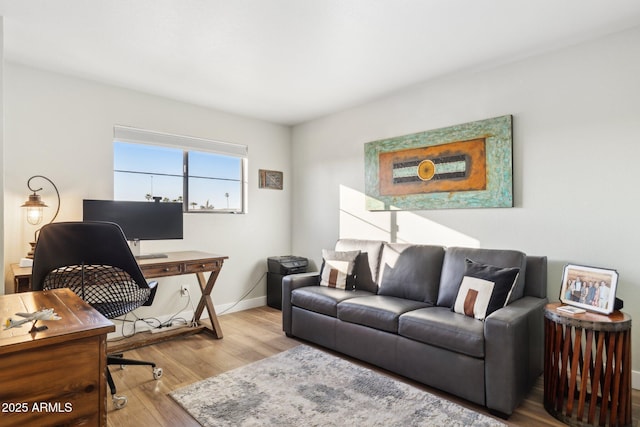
[(94, 260)]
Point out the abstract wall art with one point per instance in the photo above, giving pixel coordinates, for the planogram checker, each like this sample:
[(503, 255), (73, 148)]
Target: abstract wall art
[(462, 166)]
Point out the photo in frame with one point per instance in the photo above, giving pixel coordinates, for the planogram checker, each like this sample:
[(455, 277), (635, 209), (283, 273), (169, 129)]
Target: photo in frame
[(270, 179), (591, 288)]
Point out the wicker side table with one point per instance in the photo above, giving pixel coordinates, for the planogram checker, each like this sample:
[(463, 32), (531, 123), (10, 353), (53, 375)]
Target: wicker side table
[(587, 367)]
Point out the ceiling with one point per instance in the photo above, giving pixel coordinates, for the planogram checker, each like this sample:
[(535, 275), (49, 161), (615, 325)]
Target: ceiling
[(289, 61)]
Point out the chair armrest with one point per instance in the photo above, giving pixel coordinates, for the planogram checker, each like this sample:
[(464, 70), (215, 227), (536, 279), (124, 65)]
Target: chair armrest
[(289, 283), (514, 352)]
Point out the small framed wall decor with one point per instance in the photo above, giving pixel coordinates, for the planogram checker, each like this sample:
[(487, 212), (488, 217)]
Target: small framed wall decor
[(589, 288), (270, 179)]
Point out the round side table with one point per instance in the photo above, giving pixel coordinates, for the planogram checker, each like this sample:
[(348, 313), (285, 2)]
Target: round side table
[(587, 367)]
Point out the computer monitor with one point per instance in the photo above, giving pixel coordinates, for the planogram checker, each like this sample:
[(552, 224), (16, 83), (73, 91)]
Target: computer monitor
[(152, 220)]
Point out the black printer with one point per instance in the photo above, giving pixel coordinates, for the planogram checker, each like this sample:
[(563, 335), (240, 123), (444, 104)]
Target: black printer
[(288, 264), (278, 267)]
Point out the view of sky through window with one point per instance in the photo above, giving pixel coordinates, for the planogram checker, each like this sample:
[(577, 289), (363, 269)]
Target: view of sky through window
[(144, 171)]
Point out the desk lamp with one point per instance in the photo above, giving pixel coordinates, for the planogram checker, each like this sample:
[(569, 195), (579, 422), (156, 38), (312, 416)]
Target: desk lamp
[(35, 207)]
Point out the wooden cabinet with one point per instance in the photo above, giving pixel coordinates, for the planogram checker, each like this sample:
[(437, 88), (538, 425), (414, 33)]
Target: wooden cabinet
[(56, 376)]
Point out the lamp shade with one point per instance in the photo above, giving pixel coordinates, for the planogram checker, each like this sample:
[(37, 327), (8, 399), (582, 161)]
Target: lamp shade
[(34, 208)]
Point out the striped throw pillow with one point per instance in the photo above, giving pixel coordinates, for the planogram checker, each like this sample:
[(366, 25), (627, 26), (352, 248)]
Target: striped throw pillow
[(484, 289), (337, 269)]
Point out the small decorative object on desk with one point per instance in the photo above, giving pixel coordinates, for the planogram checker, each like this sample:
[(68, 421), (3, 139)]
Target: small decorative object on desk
[(44, 314), (589, 288), (571, 309)]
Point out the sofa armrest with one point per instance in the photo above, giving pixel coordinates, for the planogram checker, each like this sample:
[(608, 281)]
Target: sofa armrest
[(514, 352), (289, 283)]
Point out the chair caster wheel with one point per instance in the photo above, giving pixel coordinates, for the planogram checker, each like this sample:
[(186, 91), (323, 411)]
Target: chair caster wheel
[(157, 373), (119, 402)]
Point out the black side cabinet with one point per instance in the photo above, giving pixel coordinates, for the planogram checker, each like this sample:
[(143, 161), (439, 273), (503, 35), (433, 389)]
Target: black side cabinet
[(278, 267)]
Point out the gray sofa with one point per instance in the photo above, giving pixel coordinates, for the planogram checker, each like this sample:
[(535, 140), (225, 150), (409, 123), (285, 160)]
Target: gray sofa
[(399, 317)]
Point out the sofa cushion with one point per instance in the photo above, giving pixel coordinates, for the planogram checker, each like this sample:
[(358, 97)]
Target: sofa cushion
[(322, 299), (411, 271), (337, 269), (366, 269), (484, 289), (376, 311), (453, 268), (441, 327)]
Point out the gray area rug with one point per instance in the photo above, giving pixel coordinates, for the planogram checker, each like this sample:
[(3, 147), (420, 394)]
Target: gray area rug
[(305, 386)]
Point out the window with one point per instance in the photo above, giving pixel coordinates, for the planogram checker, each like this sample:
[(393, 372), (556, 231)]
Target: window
[(206, 176)]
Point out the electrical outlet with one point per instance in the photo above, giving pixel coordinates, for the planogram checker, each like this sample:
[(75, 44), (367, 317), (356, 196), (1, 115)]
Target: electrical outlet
[(184, 291)]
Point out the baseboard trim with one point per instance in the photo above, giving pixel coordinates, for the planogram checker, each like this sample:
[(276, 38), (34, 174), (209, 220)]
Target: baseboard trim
[(635, 380), (223, 309)]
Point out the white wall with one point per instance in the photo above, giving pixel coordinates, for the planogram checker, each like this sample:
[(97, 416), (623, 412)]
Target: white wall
[(576, 155), (62, 127)]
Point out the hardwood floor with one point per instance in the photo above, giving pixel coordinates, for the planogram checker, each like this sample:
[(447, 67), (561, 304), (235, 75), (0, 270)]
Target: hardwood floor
[(248, 336)]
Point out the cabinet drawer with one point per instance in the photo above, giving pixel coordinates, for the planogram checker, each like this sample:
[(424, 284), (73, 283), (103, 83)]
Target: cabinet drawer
[(73, 385), (161, 270), (195, 267)]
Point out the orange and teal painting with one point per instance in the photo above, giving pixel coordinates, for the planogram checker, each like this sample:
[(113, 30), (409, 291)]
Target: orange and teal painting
[(462, 166)]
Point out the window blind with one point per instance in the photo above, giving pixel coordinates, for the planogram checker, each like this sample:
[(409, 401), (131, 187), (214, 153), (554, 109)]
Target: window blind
[(142, 136)]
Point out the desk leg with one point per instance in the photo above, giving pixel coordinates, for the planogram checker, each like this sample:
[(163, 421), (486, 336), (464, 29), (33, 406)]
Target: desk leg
[(205, 300)]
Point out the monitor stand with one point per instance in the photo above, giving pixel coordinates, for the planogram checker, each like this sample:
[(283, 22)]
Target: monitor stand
[(135, 250)]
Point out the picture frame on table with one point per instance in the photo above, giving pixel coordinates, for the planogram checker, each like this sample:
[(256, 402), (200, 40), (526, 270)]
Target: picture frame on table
[(590, 288)]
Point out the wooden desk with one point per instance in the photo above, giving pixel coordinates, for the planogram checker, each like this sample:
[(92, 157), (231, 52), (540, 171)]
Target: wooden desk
[(191, 262), (177, 263), (587, 367), (57, 376)]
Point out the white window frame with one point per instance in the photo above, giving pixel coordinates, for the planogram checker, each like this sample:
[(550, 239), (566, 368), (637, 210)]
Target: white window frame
[(188, 143)]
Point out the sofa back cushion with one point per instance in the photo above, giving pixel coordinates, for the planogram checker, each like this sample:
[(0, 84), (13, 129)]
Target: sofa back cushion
[(367, 263), (411, 271), (453, 269)]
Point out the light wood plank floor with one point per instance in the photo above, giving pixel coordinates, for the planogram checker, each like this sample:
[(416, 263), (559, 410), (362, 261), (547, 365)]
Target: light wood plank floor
[(249, 336)]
